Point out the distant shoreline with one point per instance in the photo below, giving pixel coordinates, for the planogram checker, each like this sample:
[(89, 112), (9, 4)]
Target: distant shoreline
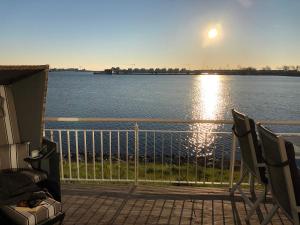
[(193, 74), (197, 72), (240, 72), (170, 74)]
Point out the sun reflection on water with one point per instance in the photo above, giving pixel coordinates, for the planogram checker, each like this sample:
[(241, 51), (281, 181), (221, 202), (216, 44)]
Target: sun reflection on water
[(206, 105)]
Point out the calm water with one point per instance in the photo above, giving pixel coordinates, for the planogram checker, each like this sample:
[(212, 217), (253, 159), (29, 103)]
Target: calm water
[(178, 97), (173, 97)]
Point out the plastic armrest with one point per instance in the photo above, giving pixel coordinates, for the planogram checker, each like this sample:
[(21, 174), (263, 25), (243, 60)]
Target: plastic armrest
[(46, 151), (30, 159)]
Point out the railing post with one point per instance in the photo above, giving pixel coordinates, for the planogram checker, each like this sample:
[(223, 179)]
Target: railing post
[(232, 160), (136, 153)]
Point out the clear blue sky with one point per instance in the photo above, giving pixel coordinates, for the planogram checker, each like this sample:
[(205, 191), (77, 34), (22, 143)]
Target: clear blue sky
[(150, 33)]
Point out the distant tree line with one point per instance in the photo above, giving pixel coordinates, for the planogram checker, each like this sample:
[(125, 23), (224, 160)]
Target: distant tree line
[(117, 70), (68, 69), (284, 70)]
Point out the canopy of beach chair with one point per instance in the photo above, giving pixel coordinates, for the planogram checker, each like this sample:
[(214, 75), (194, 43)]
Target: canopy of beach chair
[(27, 85)]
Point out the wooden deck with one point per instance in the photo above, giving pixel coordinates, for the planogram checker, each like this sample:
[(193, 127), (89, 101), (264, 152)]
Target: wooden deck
[(153, 204)]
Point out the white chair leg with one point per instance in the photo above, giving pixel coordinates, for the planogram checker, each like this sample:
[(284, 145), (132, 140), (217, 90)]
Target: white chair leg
[(235, 187), (252, 186), (254, 199), (245, 197), (270, 215), (259, 200)]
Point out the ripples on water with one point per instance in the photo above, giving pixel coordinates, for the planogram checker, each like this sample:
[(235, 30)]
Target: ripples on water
[(206, 102), (208, 97)]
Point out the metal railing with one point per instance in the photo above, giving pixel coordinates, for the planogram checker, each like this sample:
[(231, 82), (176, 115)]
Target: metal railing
[(198, 156)]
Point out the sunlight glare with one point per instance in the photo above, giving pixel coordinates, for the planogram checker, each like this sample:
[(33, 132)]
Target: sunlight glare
[(212, 33), (206, 105)]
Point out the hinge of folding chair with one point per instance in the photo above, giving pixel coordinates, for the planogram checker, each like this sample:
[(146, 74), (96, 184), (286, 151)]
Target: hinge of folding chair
[(281, 164)]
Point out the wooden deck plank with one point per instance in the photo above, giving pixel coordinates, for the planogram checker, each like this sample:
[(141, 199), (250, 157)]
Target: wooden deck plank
[(155, 205)]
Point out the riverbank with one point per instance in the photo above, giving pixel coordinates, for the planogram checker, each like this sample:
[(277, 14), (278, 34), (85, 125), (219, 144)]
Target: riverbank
[(150, 171)]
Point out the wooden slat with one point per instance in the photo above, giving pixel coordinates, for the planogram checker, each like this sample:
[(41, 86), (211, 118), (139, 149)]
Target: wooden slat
[(127, 204)]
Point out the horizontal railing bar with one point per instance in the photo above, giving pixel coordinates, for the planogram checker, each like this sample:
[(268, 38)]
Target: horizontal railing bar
[(157, 131), (132, 120), (289, 134), (88, 130), (187, 131), (149, 181), (154, 120)]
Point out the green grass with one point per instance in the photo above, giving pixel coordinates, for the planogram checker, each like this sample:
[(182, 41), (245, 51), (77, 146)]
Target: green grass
[(150, 171)]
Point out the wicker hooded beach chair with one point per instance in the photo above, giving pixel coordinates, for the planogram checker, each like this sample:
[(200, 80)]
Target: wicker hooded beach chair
[(284, 177), (244, 129), (22, 103)]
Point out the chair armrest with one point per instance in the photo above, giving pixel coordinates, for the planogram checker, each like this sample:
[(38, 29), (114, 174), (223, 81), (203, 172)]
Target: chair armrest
[(30, 159), (47, 149)]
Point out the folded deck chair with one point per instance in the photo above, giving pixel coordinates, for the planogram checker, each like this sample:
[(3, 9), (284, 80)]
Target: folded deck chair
[(244, 129), (22, 104), (284, 177)]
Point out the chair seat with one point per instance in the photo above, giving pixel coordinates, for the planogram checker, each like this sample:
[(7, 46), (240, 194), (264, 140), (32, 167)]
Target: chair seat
[(35, 175), (48, 209)]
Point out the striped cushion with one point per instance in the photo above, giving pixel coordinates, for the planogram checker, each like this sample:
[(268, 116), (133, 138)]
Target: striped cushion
[(8, 123), (48, 209), (12, 156)]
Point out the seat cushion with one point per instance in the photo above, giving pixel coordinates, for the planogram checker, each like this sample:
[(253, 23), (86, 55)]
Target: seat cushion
[(35, 175), (48, 209)]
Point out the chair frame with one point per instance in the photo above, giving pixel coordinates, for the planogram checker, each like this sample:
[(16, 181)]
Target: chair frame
[(253, 174), (21, 80), (288, 179)]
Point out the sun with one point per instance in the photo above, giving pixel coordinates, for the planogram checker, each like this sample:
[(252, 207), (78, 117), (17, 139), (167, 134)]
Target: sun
[(212, 33)]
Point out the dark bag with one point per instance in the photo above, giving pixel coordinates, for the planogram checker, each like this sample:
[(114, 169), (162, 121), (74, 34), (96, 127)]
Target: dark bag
[(15, 187)]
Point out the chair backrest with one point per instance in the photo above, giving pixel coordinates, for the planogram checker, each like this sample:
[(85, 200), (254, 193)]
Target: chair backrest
[(9, 128), (279, 157), (12, 152), (12, 156), (244, 129)]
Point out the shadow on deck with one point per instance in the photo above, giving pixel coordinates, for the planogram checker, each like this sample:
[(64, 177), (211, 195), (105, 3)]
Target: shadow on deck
[(146, 204)]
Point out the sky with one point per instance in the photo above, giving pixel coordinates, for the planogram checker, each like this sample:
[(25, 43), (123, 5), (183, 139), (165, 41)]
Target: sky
[(98, 34)]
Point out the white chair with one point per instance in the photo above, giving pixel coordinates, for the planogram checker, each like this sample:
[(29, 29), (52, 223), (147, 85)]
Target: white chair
[(283, 175), (244, 129)]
